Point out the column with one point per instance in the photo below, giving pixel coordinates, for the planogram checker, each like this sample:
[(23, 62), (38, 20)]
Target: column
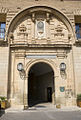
[(12, 74), (26, 92)]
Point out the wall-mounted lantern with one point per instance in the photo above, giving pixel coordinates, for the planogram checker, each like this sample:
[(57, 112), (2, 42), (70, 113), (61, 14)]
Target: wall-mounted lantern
[(20, 67), (63, 70), (22, 72), (62, 67)]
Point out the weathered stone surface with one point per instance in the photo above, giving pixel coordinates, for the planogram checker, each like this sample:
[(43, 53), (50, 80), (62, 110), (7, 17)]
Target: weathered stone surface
[(43, 30)]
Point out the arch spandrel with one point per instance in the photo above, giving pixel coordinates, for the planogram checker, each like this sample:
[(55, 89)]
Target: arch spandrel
[(23, 27)]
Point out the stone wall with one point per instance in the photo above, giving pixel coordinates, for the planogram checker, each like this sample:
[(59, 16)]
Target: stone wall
[(77, 66), (68, 55), (4, 57)]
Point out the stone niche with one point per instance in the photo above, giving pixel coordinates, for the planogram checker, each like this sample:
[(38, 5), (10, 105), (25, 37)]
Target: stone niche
[(43, 28)]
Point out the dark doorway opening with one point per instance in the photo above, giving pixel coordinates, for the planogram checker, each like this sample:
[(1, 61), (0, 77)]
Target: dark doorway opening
[(49, 94), (40, 84)]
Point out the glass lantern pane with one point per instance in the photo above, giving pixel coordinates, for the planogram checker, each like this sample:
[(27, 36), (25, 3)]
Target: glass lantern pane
[(20, 67), (62, 66)]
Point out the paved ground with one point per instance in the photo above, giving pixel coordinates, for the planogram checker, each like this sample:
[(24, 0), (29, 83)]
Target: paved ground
[(42, 115), (42, 112)]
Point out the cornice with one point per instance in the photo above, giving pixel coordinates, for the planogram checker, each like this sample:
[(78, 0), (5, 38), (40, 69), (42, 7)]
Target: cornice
[(41, 45)]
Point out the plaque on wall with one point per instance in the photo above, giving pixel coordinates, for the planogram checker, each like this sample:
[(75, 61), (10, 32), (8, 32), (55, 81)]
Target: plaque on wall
[(62, 89)]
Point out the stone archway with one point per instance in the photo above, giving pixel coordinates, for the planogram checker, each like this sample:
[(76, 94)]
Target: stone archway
[(41, 85), (32, 9)]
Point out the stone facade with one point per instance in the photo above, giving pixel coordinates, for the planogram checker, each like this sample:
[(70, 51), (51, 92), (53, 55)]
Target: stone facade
[(39, 31)]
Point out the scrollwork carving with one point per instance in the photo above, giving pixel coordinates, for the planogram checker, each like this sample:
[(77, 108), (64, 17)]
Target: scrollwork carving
[(59, 31), (22, 28)]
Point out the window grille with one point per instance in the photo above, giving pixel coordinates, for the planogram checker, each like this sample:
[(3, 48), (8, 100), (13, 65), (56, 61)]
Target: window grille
[(2, 30)]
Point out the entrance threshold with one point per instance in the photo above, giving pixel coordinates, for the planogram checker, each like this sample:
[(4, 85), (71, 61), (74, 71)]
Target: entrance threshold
[(46, 105)]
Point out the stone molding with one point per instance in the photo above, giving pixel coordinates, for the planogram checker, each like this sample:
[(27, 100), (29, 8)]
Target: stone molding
[(42, 8), (4, 10), (77, 12), (48, 61)]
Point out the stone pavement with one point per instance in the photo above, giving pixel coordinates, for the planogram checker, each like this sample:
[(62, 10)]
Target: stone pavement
[(2, 112), (44, 107), (41, 114), (44, 111)]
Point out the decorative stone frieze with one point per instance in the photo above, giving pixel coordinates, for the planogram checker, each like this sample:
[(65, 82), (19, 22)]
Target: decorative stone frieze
[(77, 12), (22, 31), (28, 31), (59, 31), (22, 28), (3, 10)]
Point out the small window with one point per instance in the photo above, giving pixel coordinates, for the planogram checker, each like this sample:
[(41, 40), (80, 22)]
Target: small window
[(78, 31), (78, 26), (2, 30), (2, 25)]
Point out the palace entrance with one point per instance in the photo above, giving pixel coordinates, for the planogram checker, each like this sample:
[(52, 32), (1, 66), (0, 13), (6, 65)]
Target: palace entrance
[(40, 84)]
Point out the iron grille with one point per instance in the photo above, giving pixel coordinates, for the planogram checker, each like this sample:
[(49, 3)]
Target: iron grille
[(2, 33)]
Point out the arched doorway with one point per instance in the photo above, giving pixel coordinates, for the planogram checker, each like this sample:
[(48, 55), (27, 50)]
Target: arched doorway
[(40, 84)]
